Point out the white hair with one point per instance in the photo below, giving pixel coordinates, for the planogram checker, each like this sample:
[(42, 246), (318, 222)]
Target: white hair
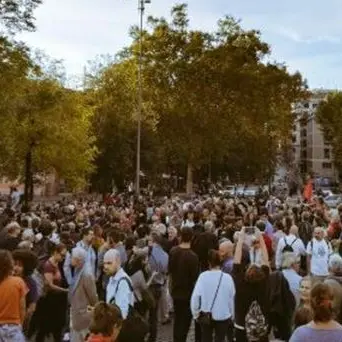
[(79, 253), (335, 263), (289, 259), (113, 255), (209, 226), (12, 226), (28, 235)]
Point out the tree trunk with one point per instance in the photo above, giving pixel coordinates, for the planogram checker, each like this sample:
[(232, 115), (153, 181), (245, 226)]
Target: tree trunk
[(31, 193), (28, 177), (189, 180)]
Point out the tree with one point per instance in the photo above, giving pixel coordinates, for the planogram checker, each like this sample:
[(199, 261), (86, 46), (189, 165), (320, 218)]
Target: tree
[(215, 97), (209, 98), (49, 130), (17, 15), (112, 92), (329, 116)]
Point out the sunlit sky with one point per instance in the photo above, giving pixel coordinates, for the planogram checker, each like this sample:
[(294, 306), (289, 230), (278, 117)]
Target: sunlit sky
[(305, 34)]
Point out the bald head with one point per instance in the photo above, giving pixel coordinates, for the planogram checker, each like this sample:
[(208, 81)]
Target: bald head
[(111, 262), (294, 230), (226, 249)]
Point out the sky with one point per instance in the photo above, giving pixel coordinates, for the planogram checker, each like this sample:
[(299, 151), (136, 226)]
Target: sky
[(306, 35)]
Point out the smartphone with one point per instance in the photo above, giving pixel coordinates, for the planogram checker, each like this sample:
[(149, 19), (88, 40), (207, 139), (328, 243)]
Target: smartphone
[(249, 230)]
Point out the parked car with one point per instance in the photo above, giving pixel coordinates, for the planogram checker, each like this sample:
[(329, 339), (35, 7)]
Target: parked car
[(240, 190), (228, 191), (251, 191), (333, 201)]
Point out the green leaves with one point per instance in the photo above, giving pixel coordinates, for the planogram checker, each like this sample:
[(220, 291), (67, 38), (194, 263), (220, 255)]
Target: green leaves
[(209, 97), (329, 116)]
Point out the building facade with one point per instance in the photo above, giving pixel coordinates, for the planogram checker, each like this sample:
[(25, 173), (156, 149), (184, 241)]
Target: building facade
[(312, 154)]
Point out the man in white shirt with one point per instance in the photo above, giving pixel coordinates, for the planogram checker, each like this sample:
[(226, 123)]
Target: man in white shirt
[(292, 240), (318, 252), (118, 289), (214, 293)]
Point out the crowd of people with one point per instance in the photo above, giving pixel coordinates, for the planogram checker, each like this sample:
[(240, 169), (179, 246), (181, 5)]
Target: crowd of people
[(241, 270)]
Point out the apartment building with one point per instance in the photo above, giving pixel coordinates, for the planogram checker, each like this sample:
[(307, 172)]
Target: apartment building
[(312, 154)]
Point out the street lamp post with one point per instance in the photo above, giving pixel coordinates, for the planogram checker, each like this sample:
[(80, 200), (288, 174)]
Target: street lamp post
[(141, 9)]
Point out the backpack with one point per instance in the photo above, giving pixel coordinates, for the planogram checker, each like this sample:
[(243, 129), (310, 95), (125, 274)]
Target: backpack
[(256, 325), (288, 248), (134, 327)]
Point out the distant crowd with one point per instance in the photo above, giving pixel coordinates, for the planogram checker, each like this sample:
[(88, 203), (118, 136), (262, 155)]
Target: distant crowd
[(242, 269)]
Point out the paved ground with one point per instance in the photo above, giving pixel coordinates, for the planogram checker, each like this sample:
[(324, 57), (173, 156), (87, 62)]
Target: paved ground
[(165, 333)]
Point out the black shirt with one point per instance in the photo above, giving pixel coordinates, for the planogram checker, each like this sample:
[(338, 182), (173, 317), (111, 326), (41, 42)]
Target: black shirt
[(183, 269), (10, 243), (247, 292)]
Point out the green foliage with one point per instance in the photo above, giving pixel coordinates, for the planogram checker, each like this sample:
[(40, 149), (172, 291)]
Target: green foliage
[(209, 97), (53, 123), (329, 116)]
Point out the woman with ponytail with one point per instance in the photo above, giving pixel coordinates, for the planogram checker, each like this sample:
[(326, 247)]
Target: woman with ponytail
[(323, 327)]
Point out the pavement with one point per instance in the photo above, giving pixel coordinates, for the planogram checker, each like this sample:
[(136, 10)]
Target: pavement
[(165, 333)]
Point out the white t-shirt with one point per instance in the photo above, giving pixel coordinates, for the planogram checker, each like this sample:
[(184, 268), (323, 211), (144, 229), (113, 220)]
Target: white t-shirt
[(320, 252)]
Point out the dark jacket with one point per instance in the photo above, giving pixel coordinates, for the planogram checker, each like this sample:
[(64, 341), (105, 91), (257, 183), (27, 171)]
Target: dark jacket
[(283, 304), (201, 245)]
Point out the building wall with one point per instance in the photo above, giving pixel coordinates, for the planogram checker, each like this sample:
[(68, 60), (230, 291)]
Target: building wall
[(311, 152)]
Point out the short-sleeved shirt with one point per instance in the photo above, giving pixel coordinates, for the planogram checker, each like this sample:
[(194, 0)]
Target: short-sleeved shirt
[(308, 334), (12, 290), (54, 270)]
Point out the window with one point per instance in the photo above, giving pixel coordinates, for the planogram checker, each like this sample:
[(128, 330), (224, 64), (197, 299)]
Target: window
[(306, 105), (326, 165), (294, 139), (326, 153)]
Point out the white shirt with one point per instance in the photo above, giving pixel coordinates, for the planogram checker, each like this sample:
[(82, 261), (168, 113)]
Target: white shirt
[(294, 280), (204, 292), (122, 295), (320, 252), (293, 241)]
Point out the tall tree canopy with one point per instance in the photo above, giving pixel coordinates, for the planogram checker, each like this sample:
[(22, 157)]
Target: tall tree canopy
[(44, 127), (329, 116), (211, 96)]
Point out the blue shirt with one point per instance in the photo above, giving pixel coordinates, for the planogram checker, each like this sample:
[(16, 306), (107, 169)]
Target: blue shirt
[(158, 262), (227, 266), (121, 295), (269, 229)]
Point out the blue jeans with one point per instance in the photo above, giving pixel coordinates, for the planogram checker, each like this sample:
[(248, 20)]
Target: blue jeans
[(11, 332)]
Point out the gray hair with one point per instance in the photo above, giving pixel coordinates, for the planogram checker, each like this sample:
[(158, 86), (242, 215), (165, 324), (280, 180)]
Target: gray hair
[(289, 259), (209, 226), (113, 255), (27, 235), (335, 263), (79, 253), (12, 226)]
